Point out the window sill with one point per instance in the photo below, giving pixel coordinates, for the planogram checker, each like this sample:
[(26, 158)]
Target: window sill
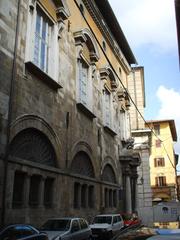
[(85, 110), (110, 131), (42, 75)]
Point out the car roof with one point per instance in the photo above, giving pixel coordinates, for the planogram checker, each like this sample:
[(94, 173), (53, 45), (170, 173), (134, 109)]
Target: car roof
[(64, 218), (164, 231), (19, 225), (169, 237), (107, 215)]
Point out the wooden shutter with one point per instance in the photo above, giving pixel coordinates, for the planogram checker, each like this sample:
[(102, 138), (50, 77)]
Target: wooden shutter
[(155, 162)]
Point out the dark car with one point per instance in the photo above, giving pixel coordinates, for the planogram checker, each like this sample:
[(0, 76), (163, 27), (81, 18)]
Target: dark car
[(130, 219), (22, 232), (67, 228)]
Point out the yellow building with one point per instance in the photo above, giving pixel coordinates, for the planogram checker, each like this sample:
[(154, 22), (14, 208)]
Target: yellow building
[(163, 160)]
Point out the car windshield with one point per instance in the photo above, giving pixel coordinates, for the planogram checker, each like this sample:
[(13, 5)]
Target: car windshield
[(56, 225), (103, 219)]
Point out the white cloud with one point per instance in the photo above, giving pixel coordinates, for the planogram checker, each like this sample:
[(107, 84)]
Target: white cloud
[(170, 100), (148, 22)]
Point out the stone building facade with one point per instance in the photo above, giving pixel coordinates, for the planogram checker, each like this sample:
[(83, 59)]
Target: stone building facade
[(142, 141), (64, 112)]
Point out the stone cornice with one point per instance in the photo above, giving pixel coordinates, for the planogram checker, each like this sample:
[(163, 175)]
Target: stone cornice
[(98, 18)]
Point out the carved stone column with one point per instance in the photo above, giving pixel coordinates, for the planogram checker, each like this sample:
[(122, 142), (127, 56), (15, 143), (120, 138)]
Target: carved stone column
[(128, 195)]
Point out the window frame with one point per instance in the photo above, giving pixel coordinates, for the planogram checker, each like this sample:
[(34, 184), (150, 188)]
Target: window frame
[(157, 129), (85, 101), (53, 54), (159, 162), (158, 143), (160, 181), (107, 108)]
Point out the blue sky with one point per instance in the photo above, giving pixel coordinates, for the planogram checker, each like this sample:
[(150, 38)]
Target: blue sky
[(150, 28)]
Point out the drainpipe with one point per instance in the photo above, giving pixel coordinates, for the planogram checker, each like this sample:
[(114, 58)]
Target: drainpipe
[(10, 108)]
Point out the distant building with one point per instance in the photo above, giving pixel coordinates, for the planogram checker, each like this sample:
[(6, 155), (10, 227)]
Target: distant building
[(178, 185), (167, 215), (142, 138), (163, 160)]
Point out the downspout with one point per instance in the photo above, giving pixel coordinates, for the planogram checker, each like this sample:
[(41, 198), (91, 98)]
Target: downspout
[(10, 108)]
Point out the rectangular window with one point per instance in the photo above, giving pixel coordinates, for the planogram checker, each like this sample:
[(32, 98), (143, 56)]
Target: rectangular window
[(91, 196), (83, 82), (18, 189), (159, 162), (76, 195), (34, 190), (157, 129), (42, 41), (114, 198), (48, 192), (107, 109), (158, 143), (160, 181)]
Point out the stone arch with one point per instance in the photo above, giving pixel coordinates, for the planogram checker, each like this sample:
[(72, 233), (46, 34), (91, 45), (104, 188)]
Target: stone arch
[(85, 149), (108, 174), (38, 123), (85, 37), (81, 164), (108, 75), (91, 43), (32, 145)]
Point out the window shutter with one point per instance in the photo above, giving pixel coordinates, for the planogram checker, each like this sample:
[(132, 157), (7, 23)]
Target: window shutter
[(155, 162), (156, 181), (83, 74), (164, 181), (107, 108), (163, 162)]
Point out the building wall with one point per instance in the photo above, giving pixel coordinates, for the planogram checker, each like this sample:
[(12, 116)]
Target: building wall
[(141, 137), (7, 41), (166, 151), (137, 92), (49, 130)]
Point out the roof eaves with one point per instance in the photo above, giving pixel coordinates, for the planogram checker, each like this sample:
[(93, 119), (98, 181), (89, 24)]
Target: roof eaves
[(113, 24)]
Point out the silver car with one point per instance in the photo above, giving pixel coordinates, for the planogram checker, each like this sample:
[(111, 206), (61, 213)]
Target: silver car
[(67, 229), (106, 226)]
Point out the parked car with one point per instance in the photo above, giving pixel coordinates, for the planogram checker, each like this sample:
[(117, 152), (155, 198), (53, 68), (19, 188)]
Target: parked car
[(170, 234), (169, 237), (130, 219), (106, 226), (22, 232), (67, 228)]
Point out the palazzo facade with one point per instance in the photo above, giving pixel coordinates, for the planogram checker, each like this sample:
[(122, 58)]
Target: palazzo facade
[(64, 112)]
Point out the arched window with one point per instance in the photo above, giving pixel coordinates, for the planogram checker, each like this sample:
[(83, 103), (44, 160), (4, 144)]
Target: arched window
[(32, 145), (82, 165), (108, 174), (87, 57)]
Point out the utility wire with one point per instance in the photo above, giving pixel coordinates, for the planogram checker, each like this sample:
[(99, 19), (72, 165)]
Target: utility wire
[(147, 124)]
